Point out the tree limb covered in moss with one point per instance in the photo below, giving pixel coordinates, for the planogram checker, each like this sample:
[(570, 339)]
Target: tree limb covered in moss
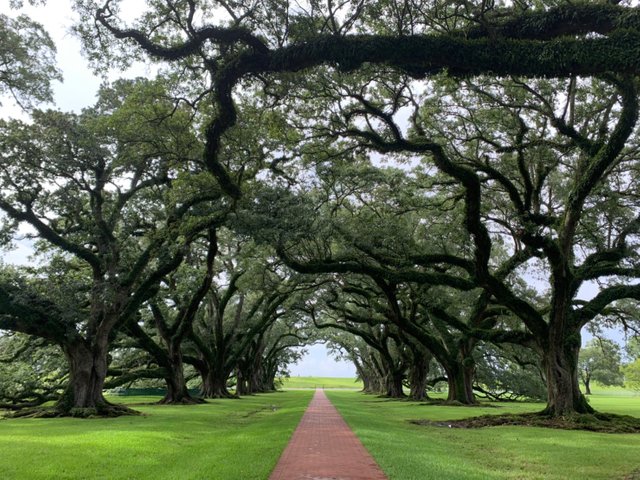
[(561, 21), (556, 52), (123, 377)]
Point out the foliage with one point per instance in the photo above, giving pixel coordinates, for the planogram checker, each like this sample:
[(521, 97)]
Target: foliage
[(509, 372), (600, 361), (28, 61), (632, 375), (31, 372), (632, 347)]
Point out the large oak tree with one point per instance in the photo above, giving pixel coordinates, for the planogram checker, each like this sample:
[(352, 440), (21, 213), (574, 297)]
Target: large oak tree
[(259, 43), (96, 190)]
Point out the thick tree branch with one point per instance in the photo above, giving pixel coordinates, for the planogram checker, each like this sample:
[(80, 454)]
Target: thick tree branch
[(606, 296)]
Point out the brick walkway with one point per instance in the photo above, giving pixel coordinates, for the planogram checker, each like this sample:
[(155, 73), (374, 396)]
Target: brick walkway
[(323, 447)]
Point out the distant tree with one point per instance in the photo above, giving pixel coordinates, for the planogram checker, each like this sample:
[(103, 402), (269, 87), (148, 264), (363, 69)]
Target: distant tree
[(600, 361), (508, 372), (249, 293), (27, 64), (32, 371), (632, 348), (171, 314), (632, 375)]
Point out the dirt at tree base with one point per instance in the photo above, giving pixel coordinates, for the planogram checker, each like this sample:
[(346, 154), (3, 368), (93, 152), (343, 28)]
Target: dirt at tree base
[(596, 422), (182, 401), (635, 475), (104, 411)]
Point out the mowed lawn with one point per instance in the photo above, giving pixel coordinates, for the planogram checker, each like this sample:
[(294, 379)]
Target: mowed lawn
[(321, 382), (223, 439), (243, 439), (406, 451)]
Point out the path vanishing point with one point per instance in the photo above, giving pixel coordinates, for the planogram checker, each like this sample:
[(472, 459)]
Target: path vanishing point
[(323, 447)]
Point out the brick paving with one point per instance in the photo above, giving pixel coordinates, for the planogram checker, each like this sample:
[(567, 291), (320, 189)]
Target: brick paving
[(323, 447)]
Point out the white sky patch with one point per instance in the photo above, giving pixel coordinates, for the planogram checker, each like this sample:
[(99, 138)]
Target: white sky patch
[(80, 85), (319, 363), (20, 254)]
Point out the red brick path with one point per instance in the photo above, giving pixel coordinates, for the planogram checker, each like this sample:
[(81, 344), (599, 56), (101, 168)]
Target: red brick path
[(323, 447)]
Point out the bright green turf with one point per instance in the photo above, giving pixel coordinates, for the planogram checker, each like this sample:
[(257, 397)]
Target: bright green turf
[(406, 451), (224, 439), (321, 382), (242, 439)]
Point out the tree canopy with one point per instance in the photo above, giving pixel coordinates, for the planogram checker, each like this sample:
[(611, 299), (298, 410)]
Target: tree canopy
[(440, 179)]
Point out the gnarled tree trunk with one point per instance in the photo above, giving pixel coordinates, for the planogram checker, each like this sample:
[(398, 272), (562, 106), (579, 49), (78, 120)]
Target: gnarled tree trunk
[(460, 383), (243, 385), (214, 384), (560, 359), (177, 391), (393, 384), (83, 396), (418, 373)]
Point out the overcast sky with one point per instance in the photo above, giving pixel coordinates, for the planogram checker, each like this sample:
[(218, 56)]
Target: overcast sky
[(80, 85)]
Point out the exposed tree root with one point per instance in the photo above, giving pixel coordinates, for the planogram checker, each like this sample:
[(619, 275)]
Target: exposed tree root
[(454, 403), (218, 396), (595, 422), (182, 401), (101, 411), (635, 475)]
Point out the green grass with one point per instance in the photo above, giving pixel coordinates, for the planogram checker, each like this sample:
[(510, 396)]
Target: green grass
[(618, 401), (406, 451), (223, 439), (321, 382), (243, 439)]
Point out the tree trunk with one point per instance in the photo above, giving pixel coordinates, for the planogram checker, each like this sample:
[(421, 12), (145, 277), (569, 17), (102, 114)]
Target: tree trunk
[(256, 381), (418, 378), (256, 377), (270, 372), (214, 385), (177, 391), (87, 372), (393, 382), (243, 386), (460, 382), (367, 385), (587, 386), (561, 367)]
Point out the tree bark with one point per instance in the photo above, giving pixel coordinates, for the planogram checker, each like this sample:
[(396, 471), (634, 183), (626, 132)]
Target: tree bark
[(418, 373), (87, 373), (83, 396), (587, 386), (257, 381), (243, 385), (460, 383), (214, 384), (367, 380), (393, 387), (561, 367), (177, 391), (257, 374)]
